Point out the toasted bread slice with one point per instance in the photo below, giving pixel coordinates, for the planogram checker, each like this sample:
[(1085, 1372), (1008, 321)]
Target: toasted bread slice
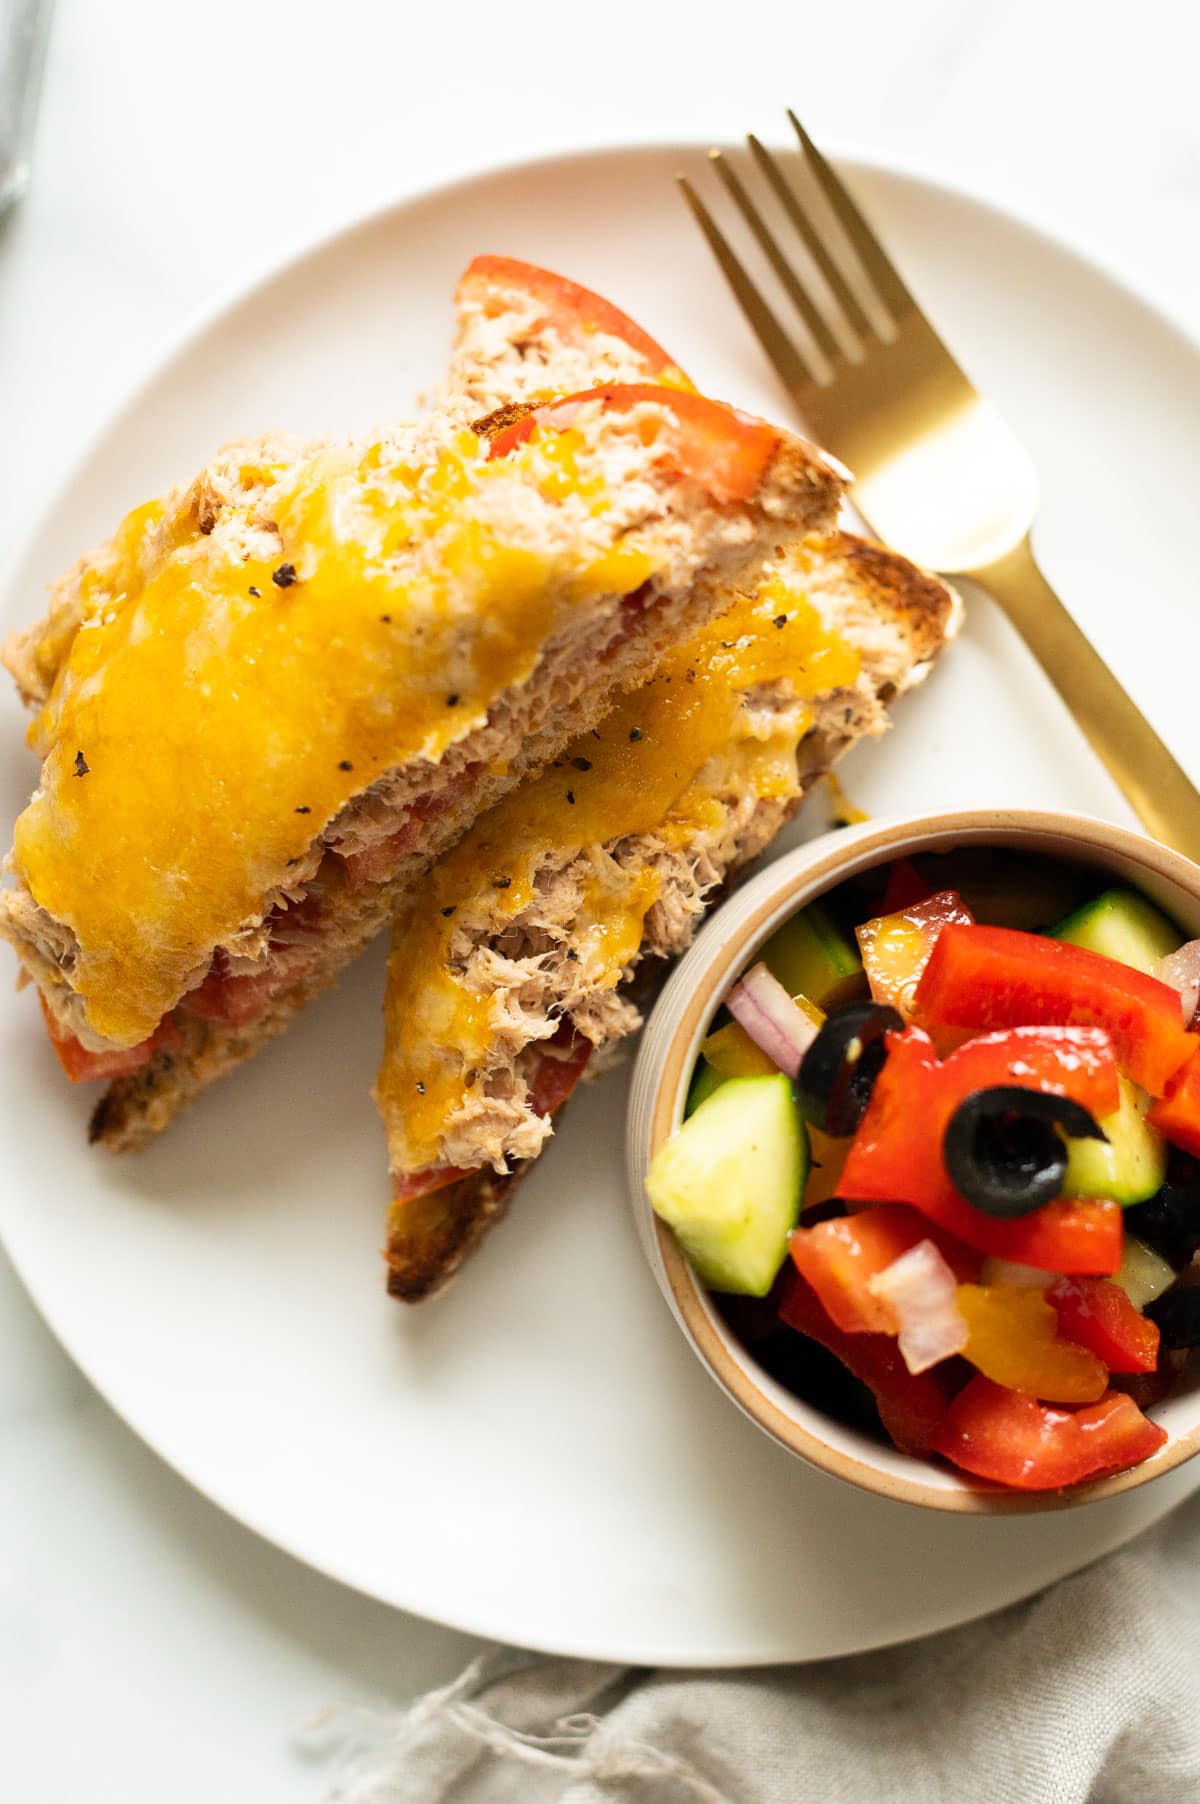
[(496, 990), (520, 957), (274, 700)]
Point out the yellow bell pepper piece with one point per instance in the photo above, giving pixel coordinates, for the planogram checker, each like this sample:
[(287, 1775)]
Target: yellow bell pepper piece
[(826, 1159), (1013, 1340)]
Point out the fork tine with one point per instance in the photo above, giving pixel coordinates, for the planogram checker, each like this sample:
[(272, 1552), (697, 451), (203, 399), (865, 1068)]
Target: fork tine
[(780, 350), (813, 243), (796, 293), (882, 271)]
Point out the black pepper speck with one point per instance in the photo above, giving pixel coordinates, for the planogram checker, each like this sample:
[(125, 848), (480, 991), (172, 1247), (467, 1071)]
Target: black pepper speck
[(780, 620), (571, 797), (284, 577), (82, 766), (304, 809), (582, 763), (635, 732), (255, 591), (345, 764), (502, 882), (420, 1088), (452, 701), (448, 911)]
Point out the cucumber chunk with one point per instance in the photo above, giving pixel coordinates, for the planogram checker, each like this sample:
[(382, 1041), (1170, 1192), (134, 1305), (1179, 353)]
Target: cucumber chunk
[(705, 1079), (1122, 925), (1130, 1166), (730, 1180), (811, 956), (1144, 1274)]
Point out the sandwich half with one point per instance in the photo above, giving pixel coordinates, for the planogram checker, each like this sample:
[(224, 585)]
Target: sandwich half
[(518, 966), (274, 698)]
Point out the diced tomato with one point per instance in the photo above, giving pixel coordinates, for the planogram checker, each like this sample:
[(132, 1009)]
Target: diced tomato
[(1177, 1114), (727, 452), (576, 312), (912, 1407), (234, 1000), (557, 1072), (838, 1258), (375, 864), (896, 1154), (993, 977), (905, 885), (82, 1066), (896, 947), (1100, 1316), (1013, 1339), (237, 999), (1011, 1438)]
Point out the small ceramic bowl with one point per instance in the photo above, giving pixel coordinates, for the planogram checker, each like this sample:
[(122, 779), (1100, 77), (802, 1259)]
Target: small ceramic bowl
[(728, 944)]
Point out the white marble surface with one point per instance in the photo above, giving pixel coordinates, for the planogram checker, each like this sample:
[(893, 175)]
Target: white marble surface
[(150, 1648)]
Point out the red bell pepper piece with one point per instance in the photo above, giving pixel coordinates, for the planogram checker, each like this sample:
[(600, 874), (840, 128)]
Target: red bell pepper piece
[(1010, 1437), (912, 1407), (896, 1155), (576, 312), (1099, 1316), (725, 451), (82, 1066), (992, 977), (839, 1257), (1177, 1114), (905, 885)]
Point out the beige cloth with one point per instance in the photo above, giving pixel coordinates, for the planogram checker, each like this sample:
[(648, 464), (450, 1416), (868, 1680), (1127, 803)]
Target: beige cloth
[(1088, 1694)]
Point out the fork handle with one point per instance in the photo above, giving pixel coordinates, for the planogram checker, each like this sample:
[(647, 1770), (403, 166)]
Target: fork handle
[(1160, 791)]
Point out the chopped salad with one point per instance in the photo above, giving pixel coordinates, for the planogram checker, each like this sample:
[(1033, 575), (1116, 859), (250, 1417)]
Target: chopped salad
[(940, 1164)]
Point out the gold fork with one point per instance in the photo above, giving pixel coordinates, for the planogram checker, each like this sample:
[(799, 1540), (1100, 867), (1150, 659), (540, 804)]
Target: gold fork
[(937, 472)]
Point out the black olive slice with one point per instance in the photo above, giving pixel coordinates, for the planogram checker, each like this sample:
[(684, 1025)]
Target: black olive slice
[(1170, 1221), (1177, 1313), (838, 1072), (1002, 1152)]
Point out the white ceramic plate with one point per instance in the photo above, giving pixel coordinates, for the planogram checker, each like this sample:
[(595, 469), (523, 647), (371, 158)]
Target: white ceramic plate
[(537, 1457)]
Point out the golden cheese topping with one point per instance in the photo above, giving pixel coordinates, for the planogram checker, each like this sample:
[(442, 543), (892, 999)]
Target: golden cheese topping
[(657, 764), (218, 706)]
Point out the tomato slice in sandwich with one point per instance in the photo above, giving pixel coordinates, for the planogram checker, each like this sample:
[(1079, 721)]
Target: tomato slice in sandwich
[(554, 1077), (81, 1066), (575, 311), (727, 452)]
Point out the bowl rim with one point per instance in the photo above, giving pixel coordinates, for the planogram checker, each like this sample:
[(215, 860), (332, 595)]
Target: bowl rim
[(813, 869)]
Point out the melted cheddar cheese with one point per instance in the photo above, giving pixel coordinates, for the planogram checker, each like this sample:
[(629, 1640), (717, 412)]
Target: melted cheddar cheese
[(218, 704), (659, 764)]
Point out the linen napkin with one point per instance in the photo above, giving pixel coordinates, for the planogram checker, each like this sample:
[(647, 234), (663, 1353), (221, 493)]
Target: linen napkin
[(1087, 1694)]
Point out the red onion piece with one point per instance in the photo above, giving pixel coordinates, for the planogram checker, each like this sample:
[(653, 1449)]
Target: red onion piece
[(761, 1005), (922, 1292), (1182, 971)]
